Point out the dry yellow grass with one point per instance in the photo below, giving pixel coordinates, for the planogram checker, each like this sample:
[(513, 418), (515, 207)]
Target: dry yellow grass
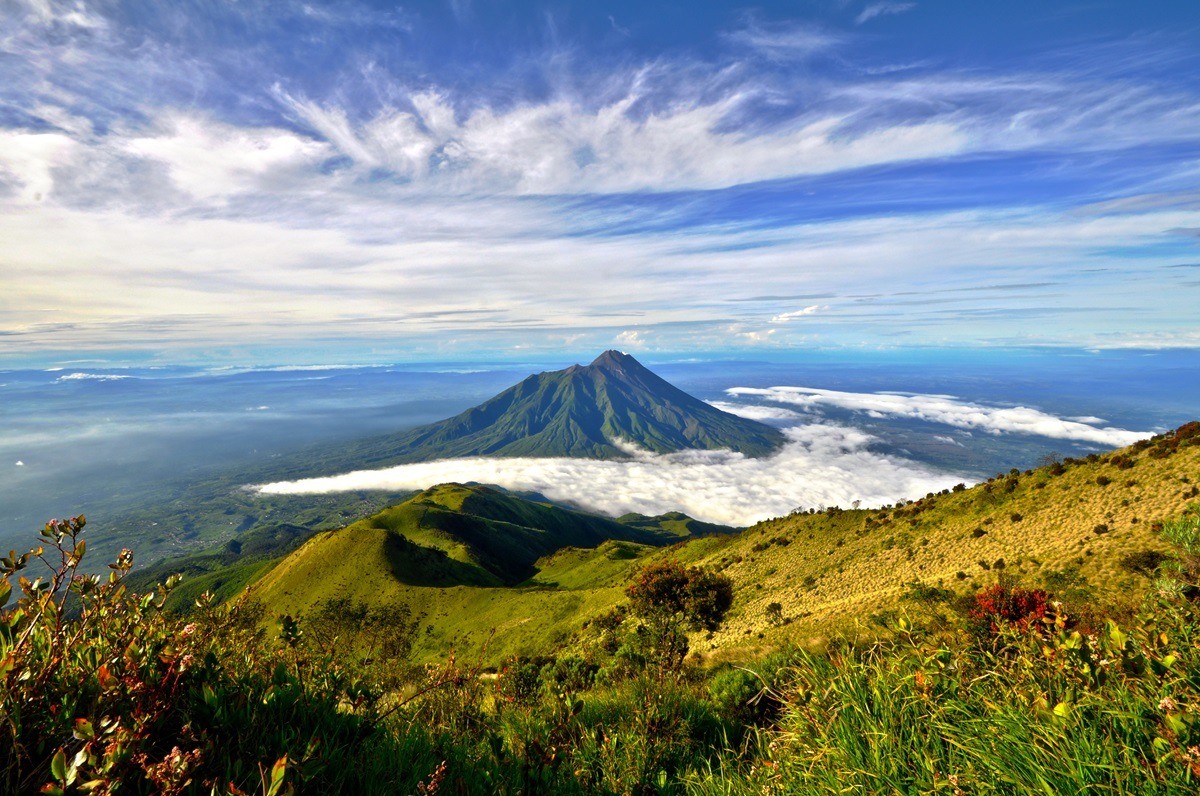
[(833, 569)]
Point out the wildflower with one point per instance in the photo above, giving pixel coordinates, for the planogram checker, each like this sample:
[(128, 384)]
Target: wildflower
[(1166, 703), (188, 630)]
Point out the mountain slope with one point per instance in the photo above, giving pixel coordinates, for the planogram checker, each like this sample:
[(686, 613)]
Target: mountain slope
[(583, 411), (1081, 526), (453, 534), (474, 558)]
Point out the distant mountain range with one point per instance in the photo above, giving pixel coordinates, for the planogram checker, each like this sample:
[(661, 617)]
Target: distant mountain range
[(587, 411)]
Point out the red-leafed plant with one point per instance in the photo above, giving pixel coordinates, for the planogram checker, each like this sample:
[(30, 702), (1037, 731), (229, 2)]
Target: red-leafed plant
[(1003, 607)]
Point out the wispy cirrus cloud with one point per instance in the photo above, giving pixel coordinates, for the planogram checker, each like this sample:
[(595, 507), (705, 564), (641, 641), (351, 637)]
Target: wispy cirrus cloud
[(880, 9)]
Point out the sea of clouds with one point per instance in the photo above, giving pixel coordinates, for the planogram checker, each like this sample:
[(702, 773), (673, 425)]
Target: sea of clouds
[(945, 409), (822, 464)]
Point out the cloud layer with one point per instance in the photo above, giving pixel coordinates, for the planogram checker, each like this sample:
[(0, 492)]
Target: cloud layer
[(949, 411), (822, 464)]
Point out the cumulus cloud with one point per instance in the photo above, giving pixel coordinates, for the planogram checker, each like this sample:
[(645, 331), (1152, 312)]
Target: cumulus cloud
[(632, 338), (949, 411), (820, 464)]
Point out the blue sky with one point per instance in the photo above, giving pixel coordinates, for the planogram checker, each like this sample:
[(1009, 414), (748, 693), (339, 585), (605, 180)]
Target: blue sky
[(353, 181)]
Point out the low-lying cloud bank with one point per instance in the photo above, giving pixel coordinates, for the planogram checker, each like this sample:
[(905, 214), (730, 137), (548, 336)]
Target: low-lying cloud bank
[(944, 409), (92, 377), (821, 464)]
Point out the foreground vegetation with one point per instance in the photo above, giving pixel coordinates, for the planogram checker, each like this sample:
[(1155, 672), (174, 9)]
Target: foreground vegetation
[(1009, 691)]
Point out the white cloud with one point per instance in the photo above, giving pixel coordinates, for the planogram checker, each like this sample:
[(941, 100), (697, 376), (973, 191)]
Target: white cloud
[(791, 316), (759, 412), (786, 41), (950, 411), (882, 9), (92, 377), (362, 266), (61, 12), (31, 158), (210, 160), (821, 464), (752, 336), (560, 146), (632, 338)]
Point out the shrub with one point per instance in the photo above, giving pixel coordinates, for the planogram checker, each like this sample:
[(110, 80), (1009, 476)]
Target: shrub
[(126, 698), (1122, 462), (1001, 606), (921, 592), (1144, 562), (519, 681), (670, 600), (734, 693)]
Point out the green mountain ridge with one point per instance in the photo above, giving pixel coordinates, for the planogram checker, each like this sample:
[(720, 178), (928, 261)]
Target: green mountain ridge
[(584, 411), (448, 535), (496, 537)]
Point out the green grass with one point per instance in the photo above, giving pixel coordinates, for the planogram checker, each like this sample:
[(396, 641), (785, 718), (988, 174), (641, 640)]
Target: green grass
[(487, 569)]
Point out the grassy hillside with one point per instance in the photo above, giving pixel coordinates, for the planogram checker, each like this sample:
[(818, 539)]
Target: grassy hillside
[(1077, 526), (474, 558)]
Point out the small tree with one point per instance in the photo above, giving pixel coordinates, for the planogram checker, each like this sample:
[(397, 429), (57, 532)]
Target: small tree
[(775, 613), (670, 600)]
